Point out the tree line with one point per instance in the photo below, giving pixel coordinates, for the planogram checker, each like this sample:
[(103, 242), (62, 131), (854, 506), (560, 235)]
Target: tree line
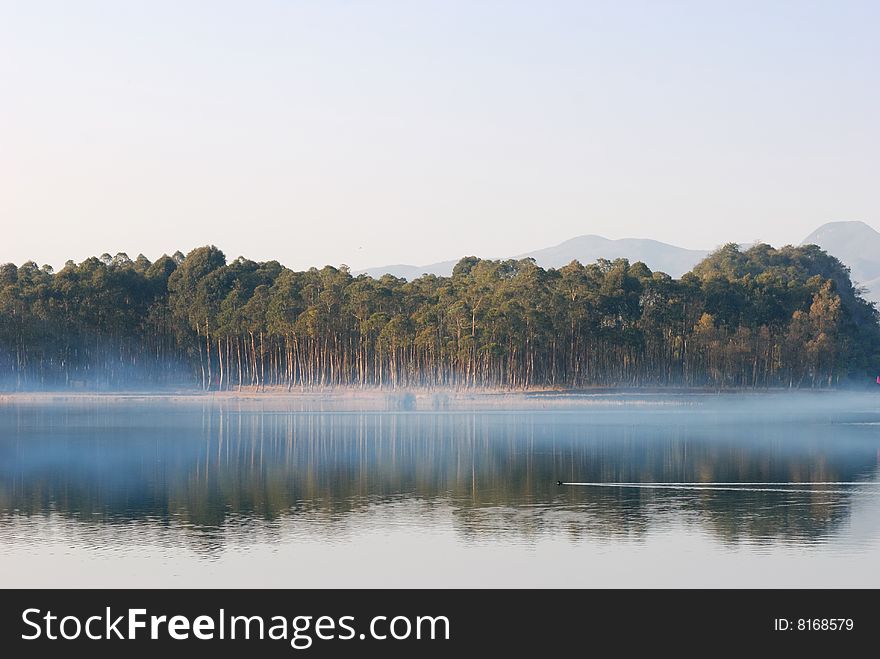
[(762, 317)]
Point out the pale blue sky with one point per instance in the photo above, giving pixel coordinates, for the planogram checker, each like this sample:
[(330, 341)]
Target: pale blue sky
[(370, 133)]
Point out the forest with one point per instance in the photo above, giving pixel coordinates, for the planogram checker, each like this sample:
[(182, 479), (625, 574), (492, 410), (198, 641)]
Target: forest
[(755, 318)]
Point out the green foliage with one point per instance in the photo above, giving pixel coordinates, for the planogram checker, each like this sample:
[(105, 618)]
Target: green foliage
[(754, 318)]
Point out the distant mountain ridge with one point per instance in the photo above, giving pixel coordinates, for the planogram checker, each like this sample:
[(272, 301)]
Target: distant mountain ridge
[(441, 269), (674, 261), (854, 243)]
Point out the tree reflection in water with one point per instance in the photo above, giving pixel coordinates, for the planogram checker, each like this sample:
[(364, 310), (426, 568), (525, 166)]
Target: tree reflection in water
[(219, 472)]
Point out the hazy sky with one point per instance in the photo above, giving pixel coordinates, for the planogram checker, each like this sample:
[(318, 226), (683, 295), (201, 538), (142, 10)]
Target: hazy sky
[(371, 133)]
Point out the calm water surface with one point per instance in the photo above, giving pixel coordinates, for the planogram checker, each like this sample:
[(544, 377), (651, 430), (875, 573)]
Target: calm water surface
[(154, 491)]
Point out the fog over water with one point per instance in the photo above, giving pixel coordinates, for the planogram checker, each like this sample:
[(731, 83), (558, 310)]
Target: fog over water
[(440, 490)]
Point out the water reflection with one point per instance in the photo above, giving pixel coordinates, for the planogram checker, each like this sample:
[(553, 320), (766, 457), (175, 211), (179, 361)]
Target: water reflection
[(213, 475)]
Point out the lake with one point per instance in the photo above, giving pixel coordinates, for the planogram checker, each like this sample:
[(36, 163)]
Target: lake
[(436, 490)]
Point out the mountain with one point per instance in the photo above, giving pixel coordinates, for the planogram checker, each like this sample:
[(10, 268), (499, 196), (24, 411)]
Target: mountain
[(672, 260), (441, 269), (855, 244)]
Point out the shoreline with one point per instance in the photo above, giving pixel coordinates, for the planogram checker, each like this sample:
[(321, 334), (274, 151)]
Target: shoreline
[(358, 392), (403, 400)]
